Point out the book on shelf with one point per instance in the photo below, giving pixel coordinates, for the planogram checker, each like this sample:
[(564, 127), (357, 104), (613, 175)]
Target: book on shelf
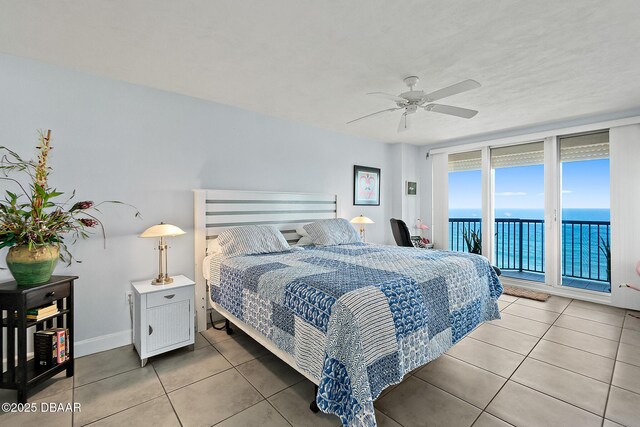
[(45, 349), (62, 335), (51, 347), (42, 312)]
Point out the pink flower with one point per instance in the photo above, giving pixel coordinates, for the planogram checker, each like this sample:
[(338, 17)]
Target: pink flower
[(421, 226), (82, 205), (88, 222)]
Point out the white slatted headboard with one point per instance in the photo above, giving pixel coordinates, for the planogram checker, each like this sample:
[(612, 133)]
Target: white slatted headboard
[(216, 210)]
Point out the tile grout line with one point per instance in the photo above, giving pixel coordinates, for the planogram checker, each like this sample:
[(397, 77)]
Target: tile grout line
[(453, 395), (558, 326), (276, 409), (541, 361), (539, 321), (264, 398), (514, 371), (73, 390), (199, 380), (161, 384), (580, 349), (585, 333), (471, 364), (565, 314), (107, 377), (539, 339), (499, 346), (394, 387), (167, 394), (240, 373), (606, 403), (555, 342), (593, 320), (122, 410), (141, 403)]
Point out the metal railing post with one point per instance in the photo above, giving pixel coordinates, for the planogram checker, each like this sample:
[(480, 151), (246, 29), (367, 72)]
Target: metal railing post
[(520, 245)]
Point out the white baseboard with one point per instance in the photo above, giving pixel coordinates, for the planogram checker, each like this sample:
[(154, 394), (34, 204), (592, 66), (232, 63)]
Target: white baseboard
[(102, 343)]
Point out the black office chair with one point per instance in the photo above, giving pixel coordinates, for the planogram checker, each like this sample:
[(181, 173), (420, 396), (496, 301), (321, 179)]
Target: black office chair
[(401, 233)]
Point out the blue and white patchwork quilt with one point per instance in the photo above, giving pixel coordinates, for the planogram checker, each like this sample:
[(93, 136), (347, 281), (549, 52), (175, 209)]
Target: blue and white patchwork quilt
[(358, 317)]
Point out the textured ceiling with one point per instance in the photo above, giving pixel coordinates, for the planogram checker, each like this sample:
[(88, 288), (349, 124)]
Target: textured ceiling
[(313, 61)]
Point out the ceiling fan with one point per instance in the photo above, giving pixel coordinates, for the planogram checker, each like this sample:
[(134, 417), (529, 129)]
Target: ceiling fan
[(411, 100)]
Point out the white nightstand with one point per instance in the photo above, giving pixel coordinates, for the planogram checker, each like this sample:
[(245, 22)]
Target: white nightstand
[(163, 316)]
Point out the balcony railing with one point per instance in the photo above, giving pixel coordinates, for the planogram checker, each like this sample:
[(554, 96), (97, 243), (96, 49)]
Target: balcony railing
[(519, 245)]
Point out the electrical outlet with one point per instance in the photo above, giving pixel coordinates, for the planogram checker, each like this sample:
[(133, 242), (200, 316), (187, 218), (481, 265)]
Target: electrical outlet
[(127, 297)]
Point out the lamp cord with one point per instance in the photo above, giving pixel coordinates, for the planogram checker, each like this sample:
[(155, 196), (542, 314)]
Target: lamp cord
[(130, 297), (213, 324)]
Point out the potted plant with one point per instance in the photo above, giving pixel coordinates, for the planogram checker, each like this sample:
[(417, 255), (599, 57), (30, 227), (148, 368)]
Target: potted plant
[(605, 248), (473, 241), (33, 224)]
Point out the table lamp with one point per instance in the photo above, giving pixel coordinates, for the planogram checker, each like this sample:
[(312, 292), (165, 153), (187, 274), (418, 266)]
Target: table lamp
[(362, 220), (162, 230)]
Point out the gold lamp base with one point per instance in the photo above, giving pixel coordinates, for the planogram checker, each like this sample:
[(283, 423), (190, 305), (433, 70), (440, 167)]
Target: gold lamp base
[(162, 230), (162, 280)]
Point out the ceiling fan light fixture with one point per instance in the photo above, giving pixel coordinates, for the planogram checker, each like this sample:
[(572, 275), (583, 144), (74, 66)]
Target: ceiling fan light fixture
[(412, 99)]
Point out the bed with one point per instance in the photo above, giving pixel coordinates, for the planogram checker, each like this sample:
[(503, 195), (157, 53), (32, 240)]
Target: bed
[(352, 318)]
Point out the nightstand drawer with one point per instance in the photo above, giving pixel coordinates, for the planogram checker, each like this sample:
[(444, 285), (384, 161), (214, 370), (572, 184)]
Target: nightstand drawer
[(47, 295), (169, 296)]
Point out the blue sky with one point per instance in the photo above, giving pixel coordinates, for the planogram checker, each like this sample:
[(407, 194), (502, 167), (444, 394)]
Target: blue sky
[(585, 185)]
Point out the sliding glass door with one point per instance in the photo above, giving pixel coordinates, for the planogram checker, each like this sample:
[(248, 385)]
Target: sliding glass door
[(585, 195), (465, 201), (539, 210), (518, 208)]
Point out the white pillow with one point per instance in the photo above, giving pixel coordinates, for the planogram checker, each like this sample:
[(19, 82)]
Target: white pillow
[(302, 232), (252, 239), (213, 247), (304, 241), (328, 232)]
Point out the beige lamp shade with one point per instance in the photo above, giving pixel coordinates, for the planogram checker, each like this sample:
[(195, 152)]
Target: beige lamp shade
[(162, 230), (361, 220)]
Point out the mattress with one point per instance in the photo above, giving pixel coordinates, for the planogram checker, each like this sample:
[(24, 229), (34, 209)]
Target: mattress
[(358, 317)]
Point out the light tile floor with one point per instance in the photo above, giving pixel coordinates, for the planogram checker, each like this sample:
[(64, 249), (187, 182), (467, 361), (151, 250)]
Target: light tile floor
[(557, 363)]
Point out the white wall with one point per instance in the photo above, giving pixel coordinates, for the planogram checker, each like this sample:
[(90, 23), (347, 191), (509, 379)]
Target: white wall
[(114, 140), (425, 174), (407, 161), (409, 168)]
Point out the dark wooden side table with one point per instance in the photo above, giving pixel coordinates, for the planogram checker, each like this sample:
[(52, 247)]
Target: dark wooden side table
[(14, 302)]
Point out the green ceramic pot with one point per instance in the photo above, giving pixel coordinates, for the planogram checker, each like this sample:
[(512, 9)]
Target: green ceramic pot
[(32, 266)]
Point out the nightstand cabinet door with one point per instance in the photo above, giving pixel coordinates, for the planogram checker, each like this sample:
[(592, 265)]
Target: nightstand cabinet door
[(163, 316), (168, 325)]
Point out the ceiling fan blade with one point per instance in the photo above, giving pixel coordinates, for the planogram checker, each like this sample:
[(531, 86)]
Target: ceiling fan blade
[(373, 114), (388, 96), (453, 90), (452, 111), (405, 122)]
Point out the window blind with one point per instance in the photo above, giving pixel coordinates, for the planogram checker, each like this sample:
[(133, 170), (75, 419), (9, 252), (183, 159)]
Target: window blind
[(518, 155), (470, 160), (590, 146)]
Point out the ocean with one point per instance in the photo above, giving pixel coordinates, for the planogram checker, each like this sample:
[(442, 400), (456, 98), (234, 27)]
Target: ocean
[(520, 236), (567, 214)]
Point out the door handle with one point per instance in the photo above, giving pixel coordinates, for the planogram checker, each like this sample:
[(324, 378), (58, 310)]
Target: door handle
[(50, 294), (170, 296), (150, 330)]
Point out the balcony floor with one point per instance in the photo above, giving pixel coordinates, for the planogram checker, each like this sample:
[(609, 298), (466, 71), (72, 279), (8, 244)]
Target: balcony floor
[(591, 285)]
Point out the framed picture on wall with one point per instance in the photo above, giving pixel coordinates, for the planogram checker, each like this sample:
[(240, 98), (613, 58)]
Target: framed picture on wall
[(366, 186), (412, 188)]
